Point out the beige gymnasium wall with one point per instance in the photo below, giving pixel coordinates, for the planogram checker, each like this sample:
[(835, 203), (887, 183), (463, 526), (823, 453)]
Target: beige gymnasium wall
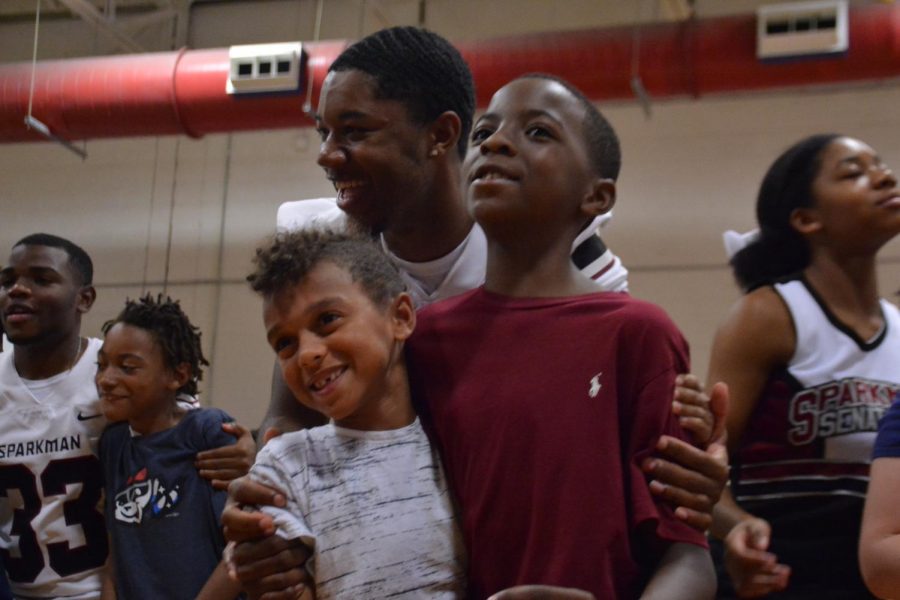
[(189, 212)]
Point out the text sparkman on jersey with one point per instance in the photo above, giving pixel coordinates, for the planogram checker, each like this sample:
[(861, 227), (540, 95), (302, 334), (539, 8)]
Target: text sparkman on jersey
[(838, 408), (31, 448)]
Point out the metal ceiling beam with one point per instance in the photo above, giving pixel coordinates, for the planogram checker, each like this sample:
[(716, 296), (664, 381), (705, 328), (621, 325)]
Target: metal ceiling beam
[(143, 21), (89, 13)]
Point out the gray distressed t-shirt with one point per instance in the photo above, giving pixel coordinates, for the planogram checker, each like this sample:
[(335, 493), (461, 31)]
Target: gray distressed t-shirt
[(373, 506)]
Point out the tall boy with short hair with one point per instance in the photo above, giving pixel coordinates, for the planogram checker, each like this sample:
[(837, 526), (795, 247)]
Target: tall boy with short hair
[(545, 394), (366, 491)]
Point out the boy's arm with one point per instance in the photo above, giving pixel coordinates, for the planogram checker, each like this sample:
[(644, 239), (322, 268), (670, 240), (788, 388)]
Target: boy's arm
[(265, 563), (684, 571), (669, 549), (262, 561), (219, 586)]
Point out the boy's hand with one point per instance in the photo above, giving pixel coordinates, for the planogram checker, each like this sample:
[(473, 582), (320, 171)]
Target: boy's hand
[(541, 592), (271, 568), (226, 463), (692, 407), (240, 525), (268, 566), (687, 477), (754, 571)]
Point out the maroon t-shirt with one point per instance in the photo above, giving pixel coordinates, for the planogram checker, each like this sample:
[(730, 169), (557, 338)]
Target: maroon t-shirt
[(543, 410)]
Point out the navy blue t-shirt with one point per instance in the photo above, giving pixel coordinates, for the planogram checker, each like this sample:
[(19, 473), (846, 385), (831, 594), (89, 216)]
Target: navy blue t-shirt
[(887, 444), (162, 517)]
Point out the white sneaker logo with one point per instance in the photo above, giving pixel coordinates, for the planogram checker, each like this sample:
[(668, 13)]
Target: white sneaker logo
[(596, 386)]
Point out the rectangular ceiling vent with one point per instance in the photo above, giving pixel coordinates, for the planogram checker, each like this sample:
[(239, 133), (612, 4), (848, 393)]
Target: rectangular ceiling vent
[(801, 29), (265, 68)]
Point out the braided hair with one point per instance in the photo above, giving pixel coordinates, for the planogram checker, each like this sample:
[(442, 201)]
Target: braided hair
[(780, 250), (418, 68), (291, 255), (177, 337)]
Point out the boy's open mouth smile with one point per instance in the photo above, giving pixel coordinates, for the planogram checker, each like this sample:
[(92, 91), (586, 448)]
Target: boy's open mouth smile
[(341, 185), (324, 379), (350, 192), (492, 173)]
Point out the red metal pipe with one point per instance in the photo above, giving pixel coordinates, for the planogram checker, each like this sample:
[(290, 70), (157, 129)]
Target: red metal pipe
[(184, 92), (147, 94), (686, 59)]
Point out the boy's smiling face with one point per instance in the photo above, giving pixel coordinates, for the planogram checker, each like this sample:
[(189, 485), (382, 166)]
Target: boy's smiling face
[(339, 352), (528, 162), (40, 295), (133, 381), (372, 150)]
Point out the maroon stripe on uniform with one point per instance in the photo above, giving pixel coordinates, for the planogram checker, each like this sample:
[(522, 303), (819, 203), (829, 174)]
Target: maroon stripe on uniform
[(600, 273)]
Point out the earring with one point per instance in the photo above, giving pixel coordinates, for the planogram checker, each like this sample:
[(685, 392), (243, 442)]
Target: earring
[(433, 152)]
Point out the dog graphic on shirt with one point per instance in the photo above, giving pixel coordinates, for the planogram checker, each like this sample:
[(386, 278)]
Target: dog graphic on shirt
[(144, 496)]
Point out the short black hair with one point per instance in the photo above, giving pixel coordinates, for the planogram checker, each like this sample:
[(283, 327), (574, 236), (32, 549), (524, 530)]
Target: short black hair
[(78, 258), (291, 255), (418, 68), (178, 338), (780, 250), (602, 142)]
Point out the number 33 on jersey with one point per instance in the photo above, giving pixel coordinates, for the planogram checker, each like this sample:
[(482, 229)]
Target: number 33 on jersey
[(52, 534)]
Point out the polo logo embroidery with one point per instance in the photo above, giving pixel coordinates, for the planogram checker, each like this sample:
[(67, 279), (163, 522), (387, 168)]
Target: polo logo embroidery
[(596, 386)]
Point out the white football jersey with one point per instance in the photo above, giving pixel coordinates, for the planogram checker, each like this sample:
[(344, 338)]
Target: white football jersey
[(52, 533)]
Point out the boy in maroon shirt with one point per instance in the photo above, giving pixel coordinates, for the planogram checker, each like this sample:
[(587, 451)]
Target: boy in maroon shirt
[(543, 393)]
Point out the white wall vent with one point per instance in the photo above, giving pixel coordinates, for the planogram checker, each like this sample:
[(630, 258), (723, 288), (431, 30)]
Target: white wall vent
[(264, 68), (801, 29)]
